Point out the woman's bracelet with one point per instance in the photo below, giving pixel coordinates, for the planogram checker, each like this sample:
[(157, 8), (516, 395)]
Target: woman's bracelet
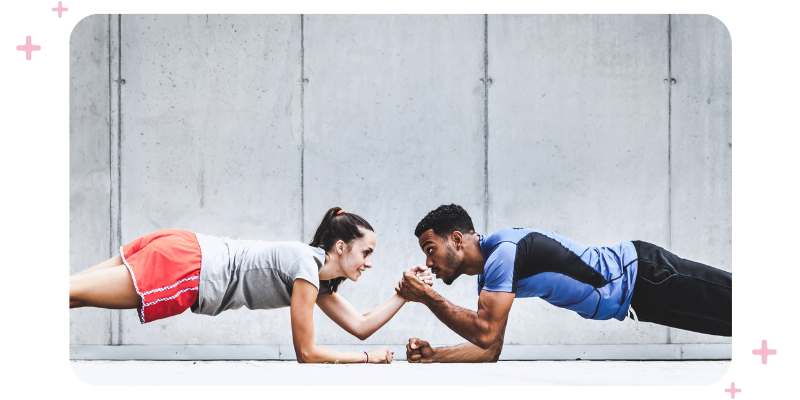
[(367, 360)]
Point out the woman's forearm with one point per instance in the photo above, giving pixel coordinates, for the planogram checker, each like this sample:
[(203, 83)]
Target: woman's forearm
[(317, 354), (377, 317)]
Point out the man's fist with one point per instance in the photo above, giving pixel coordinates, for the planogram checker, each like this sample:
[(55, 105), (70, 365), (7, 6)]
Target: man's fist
[(418, 351)]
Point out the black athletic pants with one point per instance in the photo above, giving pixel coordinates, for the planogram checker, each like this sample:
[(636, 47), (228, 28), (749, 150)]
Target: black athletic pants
[(681, 293)]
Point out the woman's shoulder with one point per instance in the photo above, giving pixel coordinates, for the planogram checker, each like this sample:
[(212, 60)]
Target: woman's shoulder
[(284, 248), (294, 247), (291, 244)]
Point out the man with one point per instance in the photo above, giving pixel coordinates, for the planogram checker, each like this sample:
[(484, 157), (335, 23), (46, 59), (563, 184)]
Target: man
[(596, 282)]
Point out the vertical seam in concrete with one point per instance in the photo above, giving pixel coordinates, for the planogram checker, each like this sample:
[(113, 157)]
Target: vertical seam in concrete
[(110, 153), (119, 149), (110, 179), (486, 123), (669, 140), (669, 124), (119, 128), (302, 134)]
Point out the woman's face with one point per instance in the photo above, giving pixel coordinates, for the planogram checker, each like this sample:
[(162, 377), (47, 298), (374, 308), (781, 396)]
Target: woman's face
[(358, 257)]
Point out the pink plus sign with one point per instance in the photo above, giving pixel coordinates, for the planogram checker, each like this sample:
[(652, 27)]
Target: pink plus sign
[(28, 48), (60, 9), (764, 352), (733, 390)]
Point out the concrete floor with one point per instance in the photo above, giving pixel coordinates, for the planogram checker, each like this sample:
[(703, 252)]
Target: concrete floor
[(506, 373)]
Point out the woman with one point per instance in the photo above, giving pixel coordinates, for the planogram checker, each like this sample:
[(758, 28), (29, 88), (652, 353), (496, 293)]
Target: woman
[(164, 273)]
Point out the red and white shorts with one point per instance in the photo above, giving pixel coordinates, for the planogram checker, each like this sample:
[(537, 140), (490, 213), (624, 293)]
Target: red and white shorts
[(165, 267)]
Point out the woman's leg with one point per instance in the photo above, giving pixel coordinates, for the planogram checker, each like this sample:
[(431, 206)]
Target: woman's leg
[(108, 287), (111, 262)]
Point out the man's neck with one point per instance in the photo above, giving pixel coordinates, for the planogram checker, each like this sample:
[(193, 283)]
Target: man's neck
[(473, 257)]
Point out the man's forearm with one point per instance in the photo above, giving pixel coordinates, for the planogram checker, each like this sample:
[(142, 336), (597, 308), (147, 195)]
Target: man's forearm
[(467, 353), (465, 322)]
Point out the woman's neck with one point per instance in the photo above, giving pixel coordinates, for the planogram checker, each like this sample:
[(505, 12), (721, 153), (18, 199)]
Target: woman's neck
[(331, 269)]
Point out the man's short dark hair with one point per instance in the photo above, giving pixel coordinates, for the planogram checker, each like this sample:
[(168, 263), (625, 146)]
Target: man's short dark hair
[(445, 220)]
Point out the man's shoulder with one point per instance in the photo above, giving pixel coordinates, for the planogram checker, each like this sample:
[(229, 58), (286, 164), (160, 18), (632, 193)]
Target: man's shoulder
[(512, 235), (500, 245), (506, 240), (498, 268)]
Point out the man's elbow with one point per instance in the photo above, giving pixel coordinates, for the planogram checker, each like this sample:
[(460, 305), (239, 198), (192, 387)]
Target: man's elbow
[(492, 344), (484, 341), (490, 354), (495, 350)]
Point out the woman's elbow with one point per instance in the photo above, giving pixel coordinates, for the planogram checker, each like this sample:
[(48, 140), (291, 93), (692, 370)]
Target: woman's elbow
[(360, 331), (304, 356), (361, 335)]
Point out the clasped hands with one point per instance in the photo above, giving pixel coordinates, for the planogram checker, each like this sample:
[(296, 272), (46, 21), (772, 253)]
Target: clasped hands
[(417, 351), (413, 289)]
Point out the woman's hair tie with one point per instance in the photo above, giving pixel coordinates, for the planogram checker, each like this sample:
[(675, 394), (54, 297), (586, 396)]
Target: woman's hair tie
[(339, 212)]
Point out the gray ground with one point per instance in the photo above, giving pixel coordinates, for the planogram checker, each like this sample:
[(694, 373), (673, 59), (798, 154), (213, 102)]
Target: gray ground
[(506, 373)]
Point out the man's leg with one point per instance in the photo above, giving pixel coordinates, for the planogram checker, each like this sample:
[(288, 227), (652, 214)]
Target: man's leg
[(681, 293)]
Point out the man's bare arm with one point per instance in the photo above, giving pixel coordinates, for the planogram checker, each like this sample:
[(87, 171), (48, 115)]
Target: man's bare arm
[(419, 351), (480, 328)]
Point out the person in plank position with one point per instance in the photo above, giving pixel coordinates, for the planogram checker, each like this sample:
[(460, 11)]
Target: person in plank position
[(630, 278), (164, 273)]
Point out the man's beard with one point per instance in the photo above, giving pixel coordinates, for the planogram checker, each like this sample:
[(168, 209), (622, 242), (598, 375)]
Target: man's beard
[(450, 264)]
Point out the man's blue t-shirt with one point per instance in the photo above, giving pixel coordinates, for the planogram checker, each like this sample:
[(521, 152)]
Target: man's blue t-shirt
[(595, 282)]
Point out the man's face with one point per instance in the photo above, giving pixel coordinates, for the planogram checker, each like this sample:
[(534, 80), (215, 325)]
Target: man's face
[(440, 257)]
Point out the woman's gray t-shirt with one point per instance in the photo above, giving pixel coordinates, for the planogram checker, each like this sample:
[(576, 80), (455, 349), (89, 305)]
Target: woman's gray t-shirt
[(253, 273)]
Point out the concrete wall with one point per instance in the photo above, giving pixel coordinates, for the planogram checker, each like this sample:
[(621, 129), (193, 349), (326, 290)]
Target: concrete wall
[(252, 126), (578, 144), (210, 143), (701, 147), (90, 168)]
